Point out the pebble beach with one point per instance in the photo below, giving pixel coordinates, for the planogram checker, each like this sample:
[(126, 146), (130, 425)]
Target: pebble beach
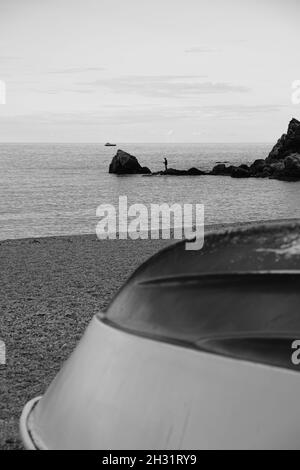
[(50, 289)]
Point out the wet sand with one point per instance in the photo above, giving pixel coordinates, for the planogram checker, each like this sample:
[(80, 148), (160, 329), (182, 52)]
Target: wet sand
[(50, 289)]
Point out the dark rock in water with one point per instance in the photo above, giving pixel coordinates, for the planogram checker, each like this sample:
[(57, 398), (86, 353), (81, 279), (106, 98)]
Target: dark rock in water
[(257, 167), (220, 169), (195, 171), (282, 163), (174, 172), (145, 170), (125, 164), (277, 166), (287, 144), (267, 171), (170, 172), (262, 169), (289, 169), (241, 172), (292, 163), (223, 170), (244, 167), (258, 163), (272, 170), (230, 169)]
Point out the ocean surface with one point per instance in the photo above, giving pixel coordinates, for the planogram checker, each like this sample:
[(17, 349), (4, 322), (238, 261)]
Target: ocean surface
[(55, 189)]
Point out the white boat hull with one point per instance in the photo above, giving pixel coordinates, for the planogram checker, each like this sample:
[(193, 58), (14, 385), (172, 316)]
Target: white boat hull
[(122, 391)]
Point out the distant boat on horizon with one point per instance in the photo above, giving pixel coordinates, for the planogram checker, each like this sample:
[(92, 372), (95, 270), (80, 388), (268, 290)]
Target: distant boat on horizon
[(110, 145)]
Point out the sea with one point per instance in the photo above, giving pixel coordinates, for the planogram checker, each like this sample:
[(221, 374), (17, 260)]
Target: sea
[(55, 189)]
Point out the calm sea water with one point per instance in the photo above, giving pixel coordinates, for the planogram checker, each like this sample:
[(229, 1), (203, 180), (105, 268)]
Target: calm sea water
[(54, 189)]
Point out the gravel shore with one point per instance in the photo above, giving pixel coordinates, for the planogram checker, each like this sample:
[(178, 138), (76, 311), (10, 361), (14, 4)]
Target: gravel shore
[(50, 289)]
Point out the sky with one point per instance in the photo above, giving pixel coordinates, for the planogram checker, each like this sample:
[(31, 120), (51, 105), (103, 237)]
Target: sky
[(148, 71)]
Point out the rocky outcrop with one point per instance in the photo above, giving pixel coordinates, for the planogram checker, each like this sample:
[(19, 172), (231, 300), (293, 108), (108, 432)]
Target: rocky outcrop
[(220, 169), (283, 162), (289, 169), (258, 166), (173, 172), (125, 164), (195, 171), (288, 143), (242, 171)]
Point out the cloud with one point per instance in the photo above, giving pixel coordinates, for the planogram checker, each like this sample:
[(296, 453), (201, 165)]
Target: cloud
[(124, 115), (200, 50), (77, 70), (55, 91), (208, 49), (8, 58), (166, 86), (239, 110)]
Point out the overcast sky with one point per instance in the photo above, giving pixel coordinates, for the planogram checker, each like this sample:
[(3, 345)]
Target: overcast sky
[(148, 70)]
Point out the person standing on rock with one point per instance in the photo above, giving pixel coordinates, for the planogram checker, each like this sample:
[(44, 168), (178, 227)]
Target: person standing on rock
[(166, 164)]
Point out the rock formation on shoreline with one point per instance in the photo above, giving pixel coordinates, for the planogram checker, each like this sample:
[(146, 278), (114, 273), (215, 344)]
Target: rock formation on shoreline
[(125, 164), (283, 162), (173, 172), (288, 143)]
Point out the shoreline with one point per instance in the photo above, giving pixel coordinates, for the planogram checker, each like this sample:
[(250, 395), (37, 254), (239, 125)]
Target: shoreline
[(51, 288), (208, 228)]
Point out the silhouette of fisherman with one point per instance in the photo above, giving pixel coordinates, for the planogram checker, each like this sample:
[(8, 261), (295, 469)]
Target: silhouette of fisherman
[(166, 164)]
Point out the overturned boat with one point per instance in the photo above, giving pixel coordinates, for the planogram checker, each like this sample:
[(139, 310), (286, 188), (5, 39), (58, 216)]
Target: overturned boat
[(196, 351)]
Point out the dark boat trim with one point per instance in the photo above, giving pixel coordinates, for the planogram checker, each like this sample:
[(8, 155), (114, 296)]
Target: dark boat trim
[(210, 344), (224, 276)]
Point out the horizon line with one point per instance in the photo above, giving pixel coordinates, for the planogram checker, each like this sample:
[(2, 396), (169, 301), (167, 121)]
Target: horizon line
[(140, 143)]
